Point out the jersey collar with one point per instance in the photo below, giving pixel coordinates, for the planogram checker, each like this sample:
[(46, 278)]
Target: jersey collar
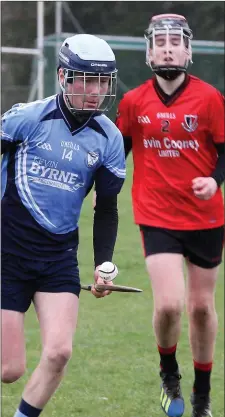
[(74, 123), (166, 98)]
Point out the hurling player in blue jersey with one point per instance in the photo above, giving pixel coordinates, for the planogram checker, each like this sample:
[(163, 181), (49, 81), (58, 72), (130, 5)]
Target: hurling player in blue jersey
[(54, 150)]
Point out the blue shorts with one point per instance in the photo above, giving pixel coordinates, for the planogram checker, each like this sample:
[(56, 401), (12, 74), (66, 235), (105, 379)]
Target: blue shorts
[(22, 278)]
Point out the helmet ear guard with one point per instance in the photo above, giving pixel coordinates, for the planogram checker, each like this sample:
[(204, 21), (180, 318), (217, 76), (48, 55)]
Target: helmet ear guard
[(168, 24)]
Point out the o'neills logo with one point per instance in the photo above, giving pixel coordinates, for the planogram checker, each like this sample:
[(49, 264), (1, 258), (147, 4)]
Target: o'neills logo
[(95, 64)]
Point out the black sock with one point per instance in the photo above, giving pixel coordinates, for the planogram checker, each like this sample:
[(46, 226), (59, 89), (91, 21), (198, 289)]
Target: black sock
[(202, 377), (168, 362), (27, 410)]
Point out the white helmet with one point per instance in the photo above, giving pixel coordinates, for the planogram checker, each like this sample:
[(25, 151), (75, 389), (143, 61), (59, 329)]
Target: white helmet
[(91, 57)]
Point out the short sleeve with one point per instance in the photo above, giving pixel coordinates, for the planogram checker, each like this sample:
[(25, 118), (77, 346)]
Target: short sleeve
[(111, 175), (216, 117), (14, 126), (114, 159), (124, 117)]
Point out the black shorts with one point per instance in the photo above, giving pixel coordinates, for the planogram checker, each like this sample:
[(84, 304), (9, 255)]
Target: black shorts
[(203, 248), (22, 278)]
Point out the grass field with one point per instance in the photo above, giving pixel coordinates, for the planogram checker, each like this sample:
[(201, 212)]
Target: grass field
[(114, 368)]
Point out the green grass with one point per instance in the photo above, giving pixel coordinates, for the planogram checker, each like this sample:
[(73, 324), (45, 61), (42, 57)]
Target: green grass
[(114, 368)]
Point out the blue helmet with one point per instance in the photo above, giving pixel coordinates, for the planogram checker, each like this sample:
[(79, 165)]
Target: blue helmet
[(87, 56)]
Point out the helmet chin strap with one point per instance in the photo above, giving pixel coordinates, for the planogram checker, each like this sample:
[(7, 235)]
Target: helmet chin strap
[(169, 74)]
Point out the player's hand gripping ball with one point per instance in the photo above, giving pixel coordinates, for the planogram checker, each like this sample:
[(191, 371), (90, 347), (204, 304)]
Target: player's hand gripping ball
[(107, 271)]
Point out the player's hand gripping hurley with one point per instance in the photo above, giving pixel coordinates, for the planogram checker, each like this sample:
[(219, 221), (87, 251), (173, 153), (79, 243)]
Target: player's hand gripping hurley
[(104, 275)]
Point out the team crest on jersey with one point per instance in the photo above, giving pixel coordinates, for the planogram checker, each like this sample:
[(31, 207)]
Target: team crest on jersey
[(190, 123), (92, 159)]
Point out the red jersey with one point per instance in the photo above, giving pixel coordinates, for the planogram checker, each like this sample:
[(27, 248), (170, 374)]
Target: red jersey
[(173, 142)]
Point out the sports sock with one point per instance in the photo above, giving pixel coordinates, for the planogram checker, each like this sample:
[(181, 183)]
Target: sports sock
[(27, 410), (168, 362), (202, 377)]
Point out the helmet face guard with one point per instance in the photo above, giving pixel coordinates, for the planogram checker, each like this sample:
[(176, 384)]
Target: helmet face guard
[(100, 101), (89, 80), (175, 35)]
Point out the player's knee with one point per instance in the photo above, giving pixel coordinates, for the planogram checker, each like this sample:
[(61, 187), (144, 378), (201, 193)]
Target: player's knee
[(200, 311), (170, 311), (11, 374), (57, 357)]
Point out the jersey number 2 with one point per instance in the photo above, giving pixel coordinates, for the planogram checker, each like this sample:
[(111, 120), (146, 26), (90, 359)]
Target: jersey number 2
[(165, 125)]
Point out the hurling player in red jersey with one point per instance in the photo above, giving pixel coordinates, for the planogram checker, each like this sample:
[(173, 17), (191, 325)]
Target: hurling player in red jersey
[(174, 124)]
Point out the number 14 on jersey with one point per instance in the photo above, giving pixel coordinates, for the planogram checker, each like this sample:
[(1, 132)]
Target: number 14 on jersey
[(67, 154)]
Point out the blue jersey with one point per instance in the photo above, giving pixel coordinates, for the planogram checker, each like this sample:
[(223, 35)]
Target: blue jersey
[(50, 162)]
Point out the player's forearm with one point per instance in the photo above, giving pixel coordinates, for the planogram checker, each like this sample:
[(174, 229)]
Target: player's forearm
[(105, 228), (219, 172), (127, 141)]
